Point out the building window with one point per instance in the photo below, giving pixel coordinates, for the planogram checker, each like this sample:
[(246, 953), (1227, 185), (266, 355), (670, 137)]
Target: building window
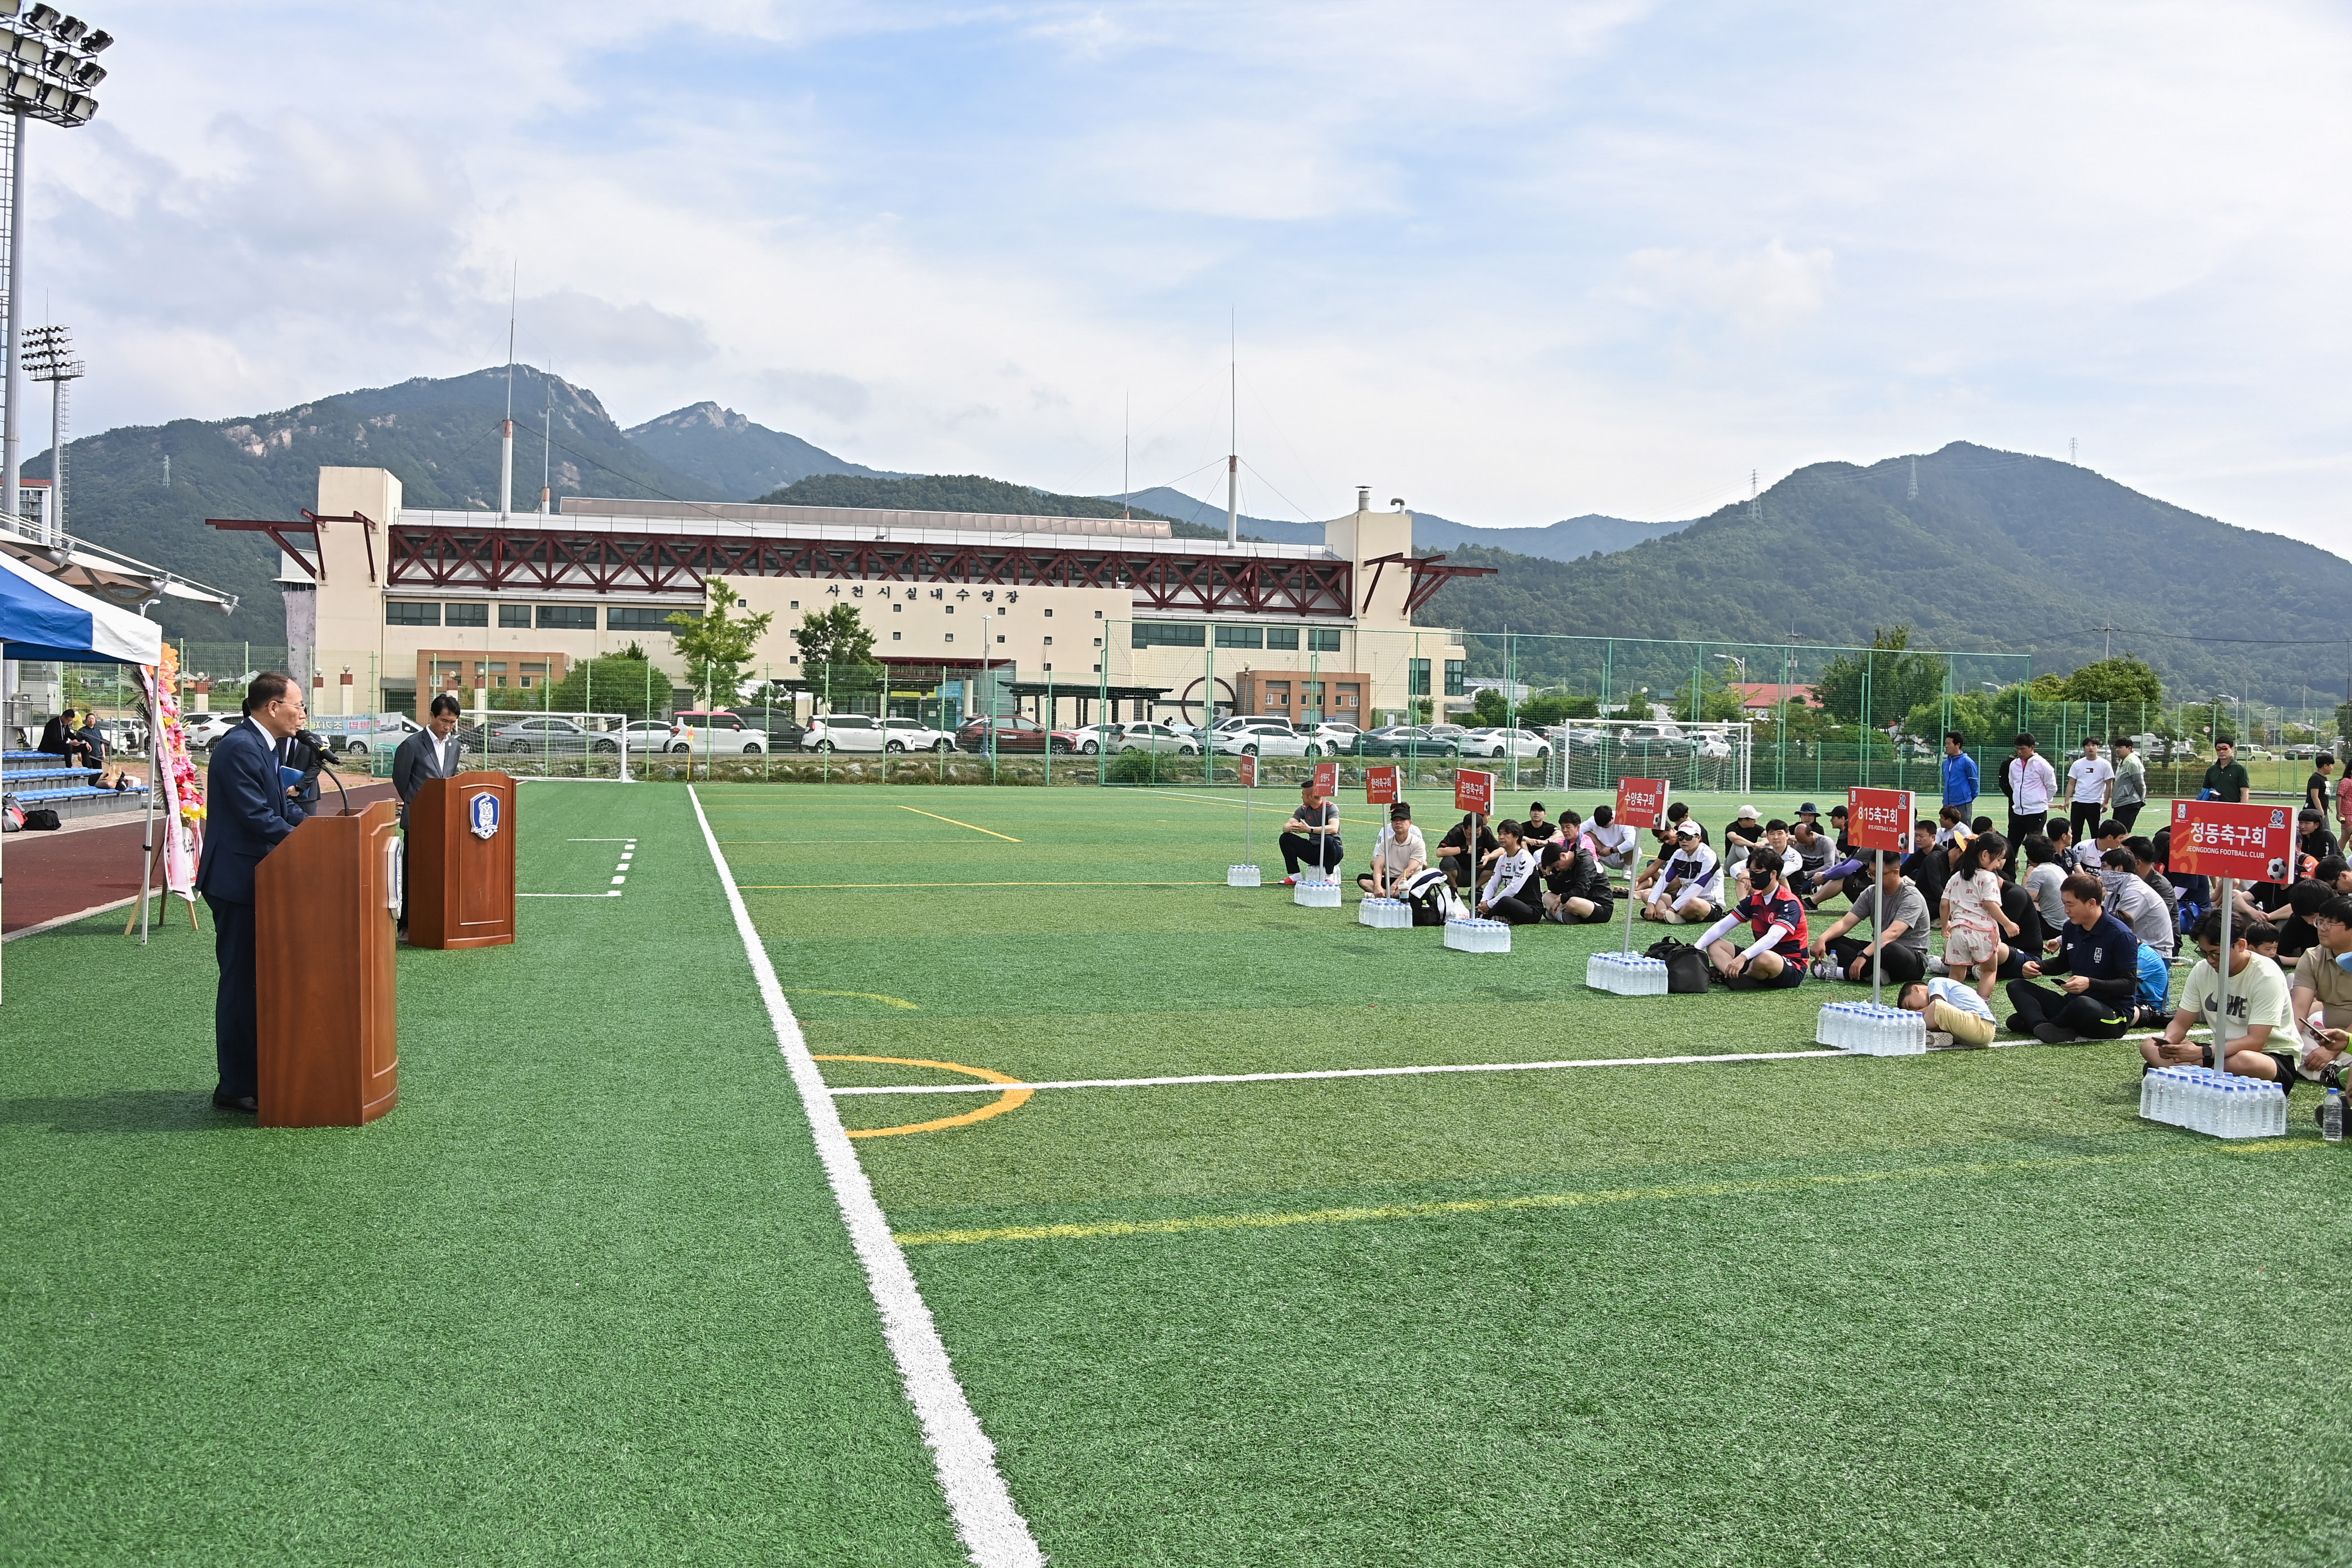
[(465, 614), (632, 618), (1000, 637), (894, 637), (796, 603), (1453, 668), (526, 683), (949, 608), (1320, 639), (514, 616), (1416, 678), (1241, 637), (1171, 634), (1049, 615), (568, 617), (895, 609), (407, 613), (951, 637), (1282, 637), (1049, 642)]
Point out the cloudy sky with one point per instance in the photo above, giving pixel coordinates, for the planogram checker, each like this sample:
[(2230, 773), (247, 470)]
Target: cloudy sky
[(1509, 262)]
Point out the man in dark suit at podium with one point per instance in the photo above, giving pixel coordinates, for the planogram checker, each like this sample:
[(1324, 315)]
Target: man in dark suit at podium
[(431, 753), (247, 814)]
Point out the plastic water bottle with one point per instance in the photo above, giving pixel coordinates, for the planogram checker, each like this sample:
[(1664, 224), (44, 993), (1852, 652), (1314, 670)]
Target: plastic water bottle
[(2331, 1116)]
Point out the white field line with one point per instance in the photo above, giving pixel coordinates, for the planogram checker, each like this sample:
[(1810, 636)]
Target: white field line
[(1337, 1072), (76, 915), (994, 1534)]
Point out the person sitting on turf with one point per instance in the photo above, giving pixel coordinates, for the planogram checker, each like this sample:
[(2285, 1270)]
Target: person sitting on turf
[(1311, 836), (2063, 852), (1776, 917), (1688, 886), (2320, 984), (1848, 873), (2133, 902), (1576, 890), (1814, 850), (1535, 830), (2099, 957), (2153, 987), (1974, 919), (1951, 822), (2260, 1027), (1746, 832), (2312, 837), (1397, 855), (1613, 844), (2031, 938), (2263, 938), (2297, 935), (1514, 894), (1463, 849), (2145, 863), (1926, 865), (1957, 1015), (2043, 877), (1901, 939), (1776, 845)]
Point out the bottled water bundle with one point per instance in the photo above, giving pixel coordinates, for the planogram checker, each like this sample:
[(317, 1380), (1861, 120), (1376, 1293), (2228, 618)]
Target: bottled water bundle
[(1384, 914), (1241, 875), (2221, 1104), (1477, 936), (1316, 893), (1625, 974), (1871, 1031)]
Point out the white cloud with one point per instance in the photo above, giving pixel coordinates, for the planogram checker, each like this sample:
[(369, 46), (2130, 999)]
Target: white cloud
[(1761, 291)]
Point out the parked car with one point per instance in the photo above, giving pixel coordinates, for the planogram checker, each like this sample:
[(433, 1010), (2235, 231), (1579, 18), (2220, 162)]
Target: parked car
[(1246, 720), (1265, 741), (357, 735), (653, 735), (550, 736), (783, 731), (914, 735), (1336, 735), (1526, 745), (1013, 734), (1656, 740), (1406, 740), (203, 729), (1144, 737), (718, 730)]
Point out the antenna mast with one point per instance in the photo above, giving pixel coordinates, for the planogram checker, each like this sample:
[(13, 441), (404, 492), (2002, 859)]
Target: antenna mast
[(1233, 434), (547, 448), (1127, 457), (506, 431)]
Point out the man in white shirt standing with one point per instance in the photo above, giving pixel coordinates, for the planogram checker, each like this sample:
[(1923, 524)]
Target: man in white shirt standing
[(2089, 778), (2031, 783)]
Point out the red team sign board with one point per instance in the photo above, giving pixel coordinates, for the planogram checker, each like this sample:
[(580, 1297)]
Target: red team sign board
[(1473, 791), (1327, 778), (2223, 838), (1878, 818), (1380, 787), (1641, 803), (1249, 770)]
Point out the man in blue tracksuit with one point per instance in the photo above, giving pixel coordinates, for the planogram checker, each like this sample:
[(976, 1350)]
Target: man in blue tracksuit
[(1960, 773)]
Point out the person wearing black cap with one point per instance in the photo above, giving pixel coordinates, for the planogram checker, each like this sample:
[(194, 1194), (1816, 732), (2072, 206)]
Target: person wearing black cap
[(1536, 829), (1463, 850), (1398, 855), (1312, 835)]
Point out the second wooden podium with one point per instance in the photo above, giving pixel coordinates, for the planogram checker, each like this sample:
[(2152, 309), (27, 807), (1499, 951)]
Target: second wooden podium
[(461, 862), (324, 905)]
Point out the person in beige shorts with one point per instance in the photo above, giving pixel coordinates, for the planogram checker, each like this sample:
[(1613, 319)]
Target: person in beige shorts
[(1954, 1011), (1973, 920)]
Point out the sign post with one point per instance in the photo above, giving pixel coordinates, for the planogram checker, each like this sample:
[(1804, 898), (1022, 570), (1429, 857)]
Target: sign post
[(1249, 772), (2226, 840), (1641, 803), (1876, 819)]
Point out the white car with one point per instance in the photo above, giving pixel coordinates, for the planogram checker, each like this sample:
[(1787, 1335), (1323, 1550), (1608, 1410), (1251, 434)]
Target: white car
[(1526, 745), (654, 735), (203, 729), (914, 735), (1252, 720), (1142, 737), (1265, 741), (1337, 736)]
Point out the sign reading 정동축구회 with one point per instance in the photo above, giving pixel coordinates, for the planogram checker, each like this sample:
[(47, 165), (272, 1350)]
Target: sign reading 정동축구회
[(2224, 838)]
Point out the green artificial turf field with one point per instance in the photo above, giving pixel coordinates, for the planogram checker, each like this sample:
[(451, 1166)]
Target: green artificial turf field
[(586, 1296)]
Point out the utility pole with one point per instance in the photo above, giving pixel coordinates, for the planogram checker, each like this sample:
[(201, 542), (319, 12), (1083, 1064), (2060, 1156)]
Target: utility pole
[(1913, 494), (2110, 632)]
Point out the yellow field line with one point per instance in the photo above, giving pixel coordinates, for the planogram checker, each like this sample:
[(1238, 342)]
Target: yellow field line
[(935, 816), (1539, 1201), (804, 886), (865, 996)]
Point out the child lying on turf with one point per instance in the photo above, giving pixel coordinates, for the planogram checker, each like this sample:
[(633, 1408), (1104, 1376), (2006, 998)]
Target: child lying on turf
[(1956, 1013)]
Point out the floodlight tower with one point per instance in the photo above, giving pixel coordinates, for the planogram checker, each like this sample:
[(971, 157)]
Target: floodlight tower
[(48, 356), (47, 67)]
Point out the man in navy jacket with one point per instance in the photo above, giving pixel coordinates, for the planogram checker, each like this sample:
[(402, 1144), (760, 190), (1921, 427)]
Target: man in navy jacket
[(246, 813)]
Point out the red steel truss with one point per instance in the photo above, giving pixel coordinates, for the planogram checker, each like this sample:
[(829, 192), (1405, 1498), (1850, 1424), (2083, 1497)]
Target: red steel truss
[(548, 561)]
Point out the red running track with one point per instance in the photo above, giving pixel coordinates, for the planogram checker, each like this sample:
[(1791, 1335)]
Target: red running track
[(53, 875)]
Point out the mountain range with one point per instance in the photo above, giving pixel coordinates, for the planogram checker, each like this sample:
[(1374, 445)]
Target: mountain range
[(1971, 548)]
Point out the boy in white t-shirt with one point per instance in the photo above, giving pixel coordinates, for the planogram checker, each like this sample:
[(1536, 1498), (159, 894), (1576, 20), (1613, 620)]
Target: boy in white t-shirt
[(1954, 1011), (1974, 923), (1399, 852), (2260, 1024), (2088, 779)]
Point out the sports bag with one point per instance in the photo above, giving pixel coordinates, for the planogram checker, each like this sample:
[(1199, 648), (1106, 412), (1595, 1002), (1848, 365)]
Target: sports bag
[(12, 815), (1688, 971), (41, 819), (1433, 902)]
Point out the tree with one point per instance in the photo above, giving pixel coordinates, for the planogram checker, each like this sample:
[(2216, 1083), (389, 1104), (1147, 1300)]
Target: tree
[(1491, 708), (1898, 684), (2125, 679), (1537, 712), (718, 643), (1718, 703), (837, 652), (617, 685)]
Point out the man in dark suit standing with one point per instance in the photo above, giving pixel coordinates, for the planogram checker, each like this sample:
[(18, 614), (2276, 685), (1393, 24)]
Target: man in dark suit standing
[(247, 814), (431, 753)]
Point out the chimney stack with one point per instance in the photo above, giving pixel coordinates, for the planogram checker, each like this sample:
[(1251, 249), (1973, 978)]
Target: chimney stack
[(1363, 497)]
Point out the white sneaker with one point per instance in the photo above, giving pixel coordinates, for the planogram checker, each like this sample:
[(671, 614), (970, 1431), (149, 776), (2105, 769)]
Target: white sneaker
[(1938, 1040)]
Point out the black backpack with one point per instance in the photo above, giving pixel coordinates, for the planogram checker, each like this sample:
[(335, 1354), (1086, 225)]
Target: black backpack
[(1688, 971), (1429, 899)]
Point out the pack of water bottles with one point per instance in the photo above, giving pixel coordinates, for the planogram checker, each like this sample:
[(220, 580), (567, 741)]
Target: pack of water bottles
[(1871, 1030), (1384, 914), (2220, 1104), (1477, 936), (1625, 974), (1316, 893), (1241, 877)]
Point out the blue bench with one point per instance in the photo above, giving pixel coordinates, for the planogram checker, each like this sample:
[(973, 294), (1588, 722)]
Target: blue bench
[(47, 776), (30, 797)]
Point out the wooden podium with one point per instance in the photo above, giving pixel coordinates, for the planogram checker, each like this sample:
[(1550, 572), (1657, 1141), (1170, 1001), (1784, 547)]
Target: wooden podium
[(322, 955), (461, 881)]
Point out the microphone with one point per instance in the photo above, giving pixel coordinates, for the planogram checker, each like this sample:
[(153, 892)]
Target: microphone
[(326, 755)]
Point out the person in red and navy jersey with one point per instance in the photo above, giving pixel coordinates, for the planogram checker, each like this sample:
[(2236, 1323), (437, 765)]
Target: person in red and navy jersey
[(1776, 959)]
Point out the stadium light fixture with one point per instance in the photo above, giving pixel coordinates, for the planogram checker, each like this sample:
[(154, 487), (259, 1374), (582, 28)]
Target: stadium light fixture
[(48, 75)]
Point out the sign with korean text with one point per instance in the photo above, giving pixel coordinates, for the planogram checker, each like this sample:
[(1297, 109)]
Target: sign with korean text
[(1380, 787), (1878, 818), (1249, 770), (1473, 791), (2224, 838), (1641, 803), (1327, 778)]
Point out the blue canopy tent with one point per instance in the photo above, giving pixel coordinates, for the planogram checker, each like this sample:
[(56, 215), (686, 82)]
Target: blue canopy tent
[(42, 619)]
